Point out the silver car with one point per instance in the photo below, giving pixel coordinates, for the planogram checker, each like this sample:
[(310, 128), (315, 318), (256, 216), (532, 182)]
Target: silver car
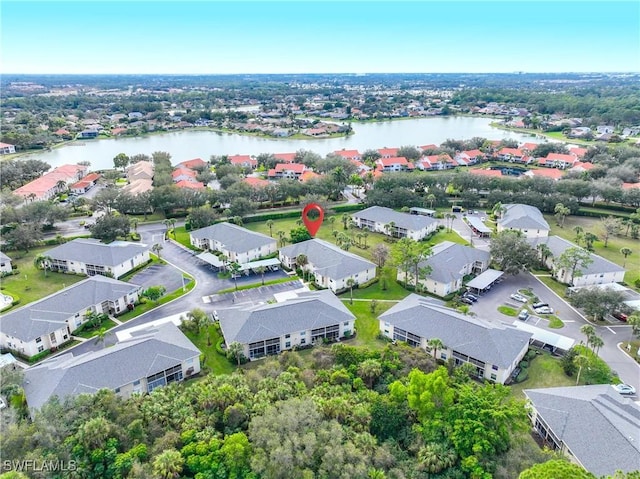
[(625, 389), (518, 297)]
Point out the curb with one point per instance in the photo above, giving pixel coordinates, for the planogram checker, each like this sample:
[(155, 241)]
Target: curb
[(563, 300), (626, 353)]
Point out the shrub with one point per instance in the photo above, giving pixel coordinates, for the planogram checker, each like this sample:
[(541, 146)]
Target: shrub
[(219, 344), (523, 364), (532, 353), (524, 374)]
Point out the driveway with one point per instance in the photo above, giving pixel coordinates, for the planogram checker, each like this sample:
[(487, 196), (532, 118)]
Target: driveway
[(159, 275), (486, 307)]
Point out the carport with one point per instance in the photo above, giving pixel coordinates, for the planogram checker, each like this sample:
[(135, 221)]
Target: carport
[(266, 263), (478, 227), (546, 339), (211, 259), (485, 280)]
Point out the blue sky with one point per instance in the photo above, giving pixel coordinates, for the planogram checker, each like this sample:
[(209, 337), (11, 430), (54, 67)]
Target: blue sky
[(309, 37)]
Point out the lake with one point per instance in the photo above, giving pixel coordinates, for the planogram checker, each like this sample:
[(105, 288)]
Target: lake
[(185, 145)]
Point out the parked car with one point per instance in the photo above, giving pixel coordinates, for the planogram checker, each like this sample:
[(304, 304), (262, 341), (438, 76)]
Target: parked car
[(619, 315), (523, 315), (466, 300), (543, 310), (540, 305), (625, 389), (519, 297), (471, 296)]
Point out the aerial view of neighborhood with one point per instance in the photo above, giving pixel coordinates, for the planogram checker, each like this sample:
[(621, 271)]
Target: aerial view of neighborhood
[(232, 251)]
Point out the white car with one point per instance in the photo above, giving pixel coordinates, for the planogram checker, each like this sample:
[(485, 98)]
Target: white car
[(518, 297), (625, 389), (544, 310), (2, 404)]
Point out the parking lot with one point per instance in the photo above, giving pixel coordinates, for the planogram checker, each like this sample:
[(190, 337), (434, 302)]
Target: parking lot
[(159, 275)]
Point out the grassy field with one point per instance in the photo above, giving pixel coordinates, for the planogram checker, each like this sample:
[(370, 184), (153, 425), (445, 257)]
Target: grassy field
[(558, 288), (555, 322), (182, 237), (611, 252), (90, 333), (367, 325), (31, 284), (508, 310), (206, 343), (375, 291), (545, 371), (633, 349)]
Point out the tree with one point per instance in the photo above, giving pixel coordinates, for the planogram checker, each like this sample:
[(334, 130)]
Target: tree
[(589, 239), (202, 216), (579, 231), (369, 370), (261, 270), (121, 161), (270, 224), (196, 319), (609, 226), (235, 270), (589, 331), (404, 254), (156, 248), (298, 235), (545, 252), (380, 254), (596, 343), (435, 344), (634, 321), (597, 302), (561, 212), (235, 351), (42, 261), (573, 260), (281, 237), (511, 251), (625, 252), (350, 284), (24, 237), (301, 262), (108, 227), (581, 361), (429, 395), (556, 469), (168, 464), (154, 293)]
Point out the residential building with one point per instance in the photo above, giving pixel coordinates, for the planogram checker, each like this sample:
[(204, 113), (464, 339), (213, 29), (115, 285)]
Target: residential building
[(238, 244), (243, 160), (285, 157), (52, 183), (510, 154), (331, 266), (255, 182), (90, 256), (88, 134), (494, 349), (392, 223), (85, 184), (5, 263), (558, 160), (142, 170), (183, 174), (387, 164), (148, 359), (49, 322), (469, 157), (7, 149), (287, 170), (192, 185), (349, 154), (524, 218), (388, 152), (552, 173), (195, 164), (136, 187), (438, 162), (594, 426), (599, 271), (450, 263), (267, 329)]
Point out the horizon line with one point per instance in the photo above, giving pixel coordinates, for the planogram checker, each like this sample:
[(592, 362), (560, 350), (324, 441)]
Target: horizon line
[(634, 72)]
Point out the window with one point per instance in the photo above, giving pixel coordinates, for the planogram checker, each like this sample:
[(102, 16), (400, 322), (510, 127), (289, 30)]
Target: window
[(40, 349), (346, 323), (494, 367), (287, 344), (117, 390), (38, 340), (303, 333), (443, 356), (287, 336), (493, 377), (65, 337), (135, 383), (303, 341)]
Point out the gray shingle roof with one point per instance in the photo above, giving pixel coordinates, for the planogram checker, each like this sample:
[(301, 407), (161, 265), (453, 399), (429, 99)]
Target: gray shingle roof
[(520, 216), (380, 214), (310, 310), (148, 352), (598, 425), (492, 343), (4, 257), (49, 314), (328, 259), (233, 237), (448, 259), (558, 246), (92, 251)]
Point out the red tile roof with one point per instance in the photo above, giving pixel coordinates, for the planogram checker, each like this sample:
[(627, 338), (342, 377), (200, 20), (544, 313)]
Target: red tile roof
[(295, 167), (61, 131), (195, 163), (257, 182), (117, 131), (286, 157), (585, 166), (391, 152), (483, 172), (308, 175), (511, 151), (348, 154), (473, 153), (529, 146), (242, 160), (428, 147), (628, 186), (579, 152), (400, 160), (560, 157), (194, 185), (552, 173), (183, 171)]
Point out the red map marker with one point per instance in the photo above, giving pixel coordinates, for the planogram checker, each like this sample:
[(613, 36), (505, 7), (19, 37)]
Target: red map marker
[(312, 224)]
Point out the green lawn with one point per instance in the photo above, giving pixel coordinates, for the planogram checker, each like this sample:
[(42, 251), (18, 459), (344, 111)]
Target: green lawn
[(90, 333), (611, 252), (149, 305), (633, 349), (508, 310), (545, 371), (394, 290), (182, 237), (555, 322), (559, 288), (31, 284), (367, 324), (206, 343)]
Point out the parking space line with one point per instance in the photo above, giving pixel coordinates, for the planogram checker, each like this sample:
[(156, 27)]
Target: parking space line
[(611, 330)]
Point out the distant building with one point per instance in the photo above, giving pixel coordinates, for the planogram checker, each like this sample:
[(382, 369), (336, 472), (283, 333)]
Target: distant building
[(524, 218), (5, 263), (238, 244), (243, 160), (392, 223), (52, 183), (7, 149)]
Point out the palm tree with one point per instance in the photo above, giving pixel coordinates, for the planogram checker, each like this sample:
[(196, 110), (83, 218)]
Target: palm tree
[(435, 344), (545, 253), (431, 198), (589, 331), (581, 360), (578, 230), (365, 235), (100, 335), (281, 237), (61, 186), (134, 222), (331, 220), (167, 223), (172, 223), (42, 261), (301, 262), (236, 351), (370, 370), (156, 248), (589, 239), (261, 270), (596, 343), (350, 284), (234, 269), (561, 212), (625, 252), (168, 464), (390, 228), (345, 219), (270, 224)]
